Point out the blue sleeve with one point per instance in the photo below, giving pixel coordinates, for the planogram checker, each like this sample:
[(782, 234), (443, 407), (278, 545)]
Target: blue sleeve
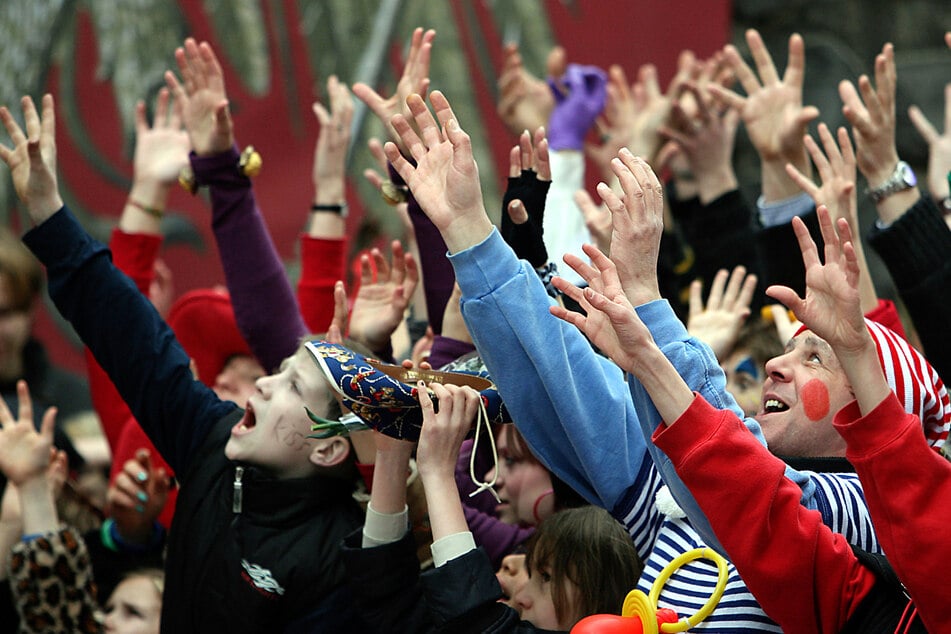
[(571, 405), (128, 338), (698, 366)]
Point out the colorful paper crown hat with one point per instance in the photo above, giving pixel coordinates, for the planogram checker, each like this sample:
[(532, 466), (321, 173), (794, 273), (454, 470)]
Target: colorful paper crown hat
[(384, 396)]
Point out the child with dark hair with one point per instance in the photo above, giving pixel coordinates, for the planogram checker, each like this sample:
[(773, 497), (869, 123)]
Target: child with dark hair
[(579, 561)]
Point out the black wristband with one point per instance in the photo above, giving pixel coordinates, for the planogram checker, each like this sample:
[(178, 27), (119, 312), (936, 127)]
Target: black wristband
[(340, 209)]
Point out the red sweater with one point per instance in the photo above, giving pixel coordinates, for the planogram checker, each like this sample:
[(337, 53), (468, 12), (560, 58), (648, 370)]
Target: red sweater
[(322, 264), (805, 577), (908, 489)]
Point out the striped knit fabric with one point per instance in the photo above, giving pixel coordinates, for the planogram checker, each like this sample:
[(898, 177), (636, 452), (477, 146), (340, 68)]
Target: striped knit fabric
[(915, 382), (660, 539)]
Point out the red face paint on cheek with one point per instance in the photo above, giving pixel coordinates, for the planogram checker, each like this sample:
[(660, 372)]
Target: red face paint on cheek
[(815, 400)]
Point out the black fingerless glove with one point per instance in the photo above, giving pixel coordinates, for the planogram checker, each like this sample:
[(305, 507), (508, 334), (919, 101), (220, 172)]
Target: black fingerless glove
[(526, 238)]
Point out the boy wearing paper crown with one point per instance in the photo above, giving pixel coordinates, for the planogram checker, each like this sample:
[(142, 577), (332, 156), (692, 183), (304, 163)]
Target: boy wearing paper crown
[(262, 507)]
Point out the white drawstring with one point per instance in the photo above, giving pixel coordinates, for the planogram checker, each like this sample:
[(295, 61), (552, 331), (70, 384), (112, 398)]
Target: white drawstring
[(482, 419)]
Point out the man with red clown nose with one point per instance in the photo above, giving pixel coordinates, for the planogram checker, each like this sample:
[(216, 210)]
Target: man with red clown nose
[(584, 421), (805, 576)]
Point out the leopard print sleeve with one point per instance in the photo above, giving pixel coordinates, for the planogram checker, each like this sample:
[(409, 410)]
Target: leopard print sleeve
[(52, 583)]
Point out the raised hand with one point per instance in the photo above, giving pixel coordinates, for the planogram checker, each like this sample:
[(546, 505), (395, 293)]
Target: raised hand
[(445, 180), (137, 496), (380, 304), (772, 111), (872, 116), (579, 99), (32, 159), (525, 101), (718, 323), (597, 219), (161, 150), (332, 143), (24, 452), (831, 307), (602, 278), (705, 139), (836, 168), (415, 80), (616, 123), (638, 221), (523, 205), (201, 99), (939, 149)]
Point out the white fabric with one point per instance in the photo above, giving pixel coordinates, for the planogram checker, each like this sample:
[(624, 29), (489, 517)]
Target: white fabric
[(565, 230), (451, 546), (783, 211), (384, 528)]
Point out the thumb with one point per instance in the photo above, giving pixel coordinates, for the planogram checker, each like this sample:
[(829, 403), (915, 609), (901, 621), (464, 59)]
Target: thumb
[(517, 212), (808, 114), (222, 114), (462, 159)]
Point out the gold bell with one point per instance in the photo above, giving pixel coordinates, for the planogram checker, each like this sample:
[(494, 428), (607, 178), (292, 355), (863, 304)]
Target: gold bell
[(186, 178), (393, 195), (250, 162)]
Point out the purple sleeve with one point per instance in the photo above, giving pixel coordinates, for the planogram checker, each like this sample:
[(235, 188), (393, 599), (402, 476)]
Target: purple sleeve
[(447, 349), (264, 303), (496, 538), (437, 272)]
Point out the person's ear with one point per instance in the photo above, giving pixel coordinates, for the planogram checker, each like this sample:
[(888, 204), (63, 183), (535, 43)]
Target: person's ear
[(329, 452)]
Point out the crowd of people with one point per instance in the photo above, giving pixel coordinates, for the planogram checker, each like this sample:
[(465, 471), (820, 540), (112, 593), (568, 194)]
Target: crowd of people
[(670, 391)]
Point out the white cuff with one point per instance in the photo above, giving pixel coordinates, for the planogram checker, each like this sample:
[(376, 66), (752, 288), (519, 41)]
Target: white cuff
[(384, 528), (451, 546)]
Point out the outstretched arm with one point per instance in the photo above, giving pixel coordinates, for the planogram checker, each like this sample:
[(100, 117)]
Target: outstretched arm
[(506, 310), (324, 244), (871, 111), (773, 112), (835, 163), (257, 281), (119, 325)]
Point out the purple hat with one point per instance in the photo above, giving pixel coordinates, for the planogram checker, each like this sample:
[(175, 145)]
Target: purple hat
[(384, 395)]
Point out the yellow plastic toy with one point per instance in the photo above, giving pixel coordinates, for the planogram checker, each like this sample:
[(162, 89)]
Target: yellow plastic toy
[(640, 614)]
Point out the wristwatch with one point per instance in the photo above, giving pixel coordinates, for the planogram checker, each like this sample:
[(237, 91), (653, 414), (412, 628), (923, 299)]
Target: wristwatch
[(901, 179)]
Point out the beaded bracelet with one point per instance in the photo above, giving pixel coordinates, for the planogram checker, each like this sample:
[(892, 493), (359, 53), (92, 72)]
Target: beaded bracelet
[(155, 212)]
